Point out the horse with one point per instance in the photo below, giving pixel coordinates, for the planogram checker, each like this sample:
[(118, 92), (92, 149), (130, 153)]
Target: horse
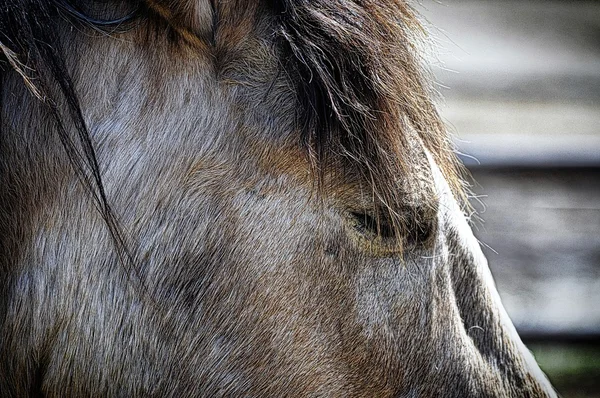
[(237, 198)]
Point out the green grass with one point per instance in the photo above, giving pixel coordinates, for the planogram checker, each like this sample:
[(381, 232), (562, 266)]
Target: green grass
[(574, 370)]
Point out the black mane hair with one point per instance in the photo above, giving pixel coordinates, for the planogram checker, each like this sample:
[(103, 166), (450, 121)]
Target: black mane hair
[(29, 46)]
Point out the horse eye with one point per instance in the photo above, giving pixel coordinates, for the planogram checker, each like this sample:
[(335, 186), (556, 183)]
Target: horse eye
[(368, 225), (411, 229), (420, 232)]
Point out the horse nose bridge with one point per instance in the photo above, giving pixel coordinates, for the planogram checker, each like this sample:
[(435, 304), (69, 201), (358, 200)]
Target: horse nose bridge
[(483, 329)]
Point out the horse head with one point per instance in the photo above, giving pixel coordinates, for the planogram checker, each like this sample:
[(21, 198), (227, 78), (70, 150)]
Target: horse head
[(237, 198)]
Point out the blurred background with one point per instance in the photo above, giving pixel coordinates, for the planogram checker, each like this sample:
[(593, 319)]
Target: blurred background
[(521, 82)]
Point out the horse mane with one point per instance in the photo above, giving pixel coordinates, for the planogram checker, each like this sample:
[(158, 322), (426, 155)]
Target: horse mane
[(29, 46), (359, 84)]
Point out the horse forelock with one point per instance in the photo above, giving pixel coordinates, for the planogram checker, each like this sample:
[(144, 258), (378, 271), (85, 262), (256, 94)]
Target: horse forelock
[(362, 88)]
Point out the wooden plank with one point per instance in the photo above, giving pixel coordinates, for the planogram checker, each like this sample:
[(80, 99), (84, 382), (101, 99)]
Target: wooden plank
[(541, 237)]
